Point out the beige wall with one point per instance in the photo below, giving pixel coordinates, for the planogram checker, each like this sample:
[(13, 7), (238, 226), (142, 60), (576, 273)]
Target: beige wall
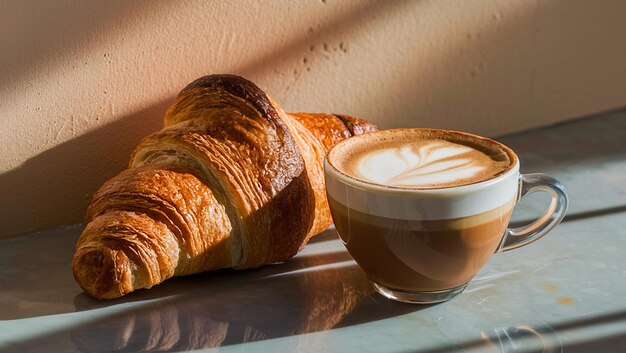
[(81, 82)]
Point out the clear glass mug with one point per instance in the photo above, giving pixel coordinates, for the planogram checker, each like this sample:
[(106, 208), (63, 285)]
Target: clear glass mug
[(425, 245)]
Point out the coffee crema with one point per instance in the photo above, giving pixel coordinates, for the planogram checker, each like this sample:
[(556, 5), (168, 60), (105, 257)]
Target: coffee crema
[(421, 158)]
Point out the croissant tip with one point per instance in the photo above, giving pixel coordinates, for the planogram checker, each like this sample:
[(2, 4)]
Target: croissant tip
[(99, 272)]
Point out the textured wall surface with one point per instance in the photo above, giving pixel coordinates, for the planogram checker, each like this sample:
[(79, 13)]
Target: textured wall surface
[(81, 82)]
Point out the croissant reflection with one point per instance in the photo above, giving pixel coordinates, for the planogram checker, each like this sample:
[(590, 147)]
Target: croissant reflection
[(271, 307)]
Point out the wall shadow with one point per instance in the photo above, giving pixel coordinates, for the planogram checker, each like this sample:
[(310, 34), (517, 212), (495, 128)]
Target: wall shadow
[(70, 172), (55, 186)]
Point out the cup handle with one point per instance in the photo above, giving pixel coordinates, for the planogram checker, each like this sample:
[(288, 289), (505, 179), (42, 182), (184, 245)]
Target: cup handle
[(530, 183)]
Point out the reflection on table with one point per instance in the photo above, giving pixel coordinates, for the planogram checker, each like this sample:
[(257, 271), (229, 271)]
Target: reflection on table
[(307, 294)]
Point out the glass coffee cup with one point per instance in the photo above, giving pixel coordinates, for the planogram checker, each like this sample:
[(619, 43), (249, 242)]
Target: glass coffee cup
[(422, 210)]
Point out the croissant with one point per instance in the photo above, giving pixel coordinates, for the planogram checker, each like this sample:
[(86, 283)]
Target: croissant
[(231, 181)]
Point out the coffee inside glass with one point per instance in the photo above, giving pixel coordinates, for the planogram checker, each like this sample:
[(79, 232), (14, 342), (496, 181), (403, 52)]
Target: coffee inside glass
[(422, 210)]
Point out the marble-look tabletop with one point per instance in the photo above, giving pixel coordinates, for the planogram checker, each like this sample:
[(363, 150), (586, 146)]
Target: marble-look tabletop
[(563, 293)]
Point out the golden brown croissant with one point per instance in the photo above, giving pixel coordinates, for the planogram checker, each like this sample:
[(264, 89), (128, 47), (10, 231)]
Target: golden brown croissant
[(231, 181)]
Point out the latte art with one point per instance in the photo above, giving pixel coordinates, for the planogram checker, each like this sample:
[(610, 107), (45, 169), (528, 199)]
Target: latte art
[(428, 164), (421, 158)]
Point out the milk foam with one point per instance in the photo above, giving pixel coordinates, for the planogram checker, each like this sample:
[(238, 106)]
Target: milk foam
[(421, 174), (421, 158), (427, 164)]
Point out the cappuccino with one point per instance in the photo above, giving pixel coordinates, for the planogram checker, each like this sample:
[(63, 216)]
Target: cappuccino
[(412, 208), (421, 158), (422, 210)]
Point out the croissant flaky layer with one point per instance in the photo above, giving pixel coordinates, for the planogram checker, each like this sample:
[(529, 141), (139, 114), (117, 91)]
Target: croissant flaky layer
[(231, 181)]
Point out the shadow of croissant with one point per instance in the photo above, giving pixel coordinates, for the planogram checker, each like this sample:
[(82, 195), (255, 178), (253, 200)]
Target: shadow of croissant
[(274, 306)]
